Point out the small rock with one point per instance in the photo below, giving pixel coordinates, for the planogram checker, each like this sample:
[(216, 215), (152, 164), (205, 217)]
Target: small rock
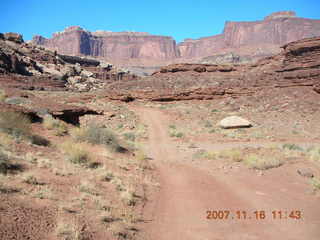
[(234, 122), (305, 173)]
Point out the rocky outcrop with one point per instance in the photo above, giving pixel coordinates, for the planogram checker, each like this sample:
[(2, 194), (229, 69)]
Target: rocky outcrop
[(298, 65), (250, 40), (111, 45), (32, 67), (257, 39), (36, 108)]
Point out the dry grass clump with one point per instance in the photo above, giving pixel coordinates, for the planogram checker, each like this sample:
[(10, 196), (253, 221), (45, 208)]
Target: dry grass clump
[(128, 197), (142, 160), (173, 132), (67, 230), (15, 124), (95, 134), (31, 179), (292, 146), (60, 127), (232, 154), (315, 183), (6, 140), (89, 188), (3, 95), (314, 154), (77, 152), (262, 162), (4, 163)]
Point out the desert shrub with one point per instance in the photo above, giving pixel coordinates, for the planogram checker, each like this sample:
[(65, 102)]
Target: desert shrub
[(314, 153), (2, 95), (261, 163), (129, 136), (208, 124), (233, 154), (58, 126), (108, 176), (175, 133), (6, 140), (128, 197), (172, 126), (4, 163), (39, 140), (315, 183), (15, 124), (76, 152), (30, 179), (205, 154), (95, 134), (292, 146)]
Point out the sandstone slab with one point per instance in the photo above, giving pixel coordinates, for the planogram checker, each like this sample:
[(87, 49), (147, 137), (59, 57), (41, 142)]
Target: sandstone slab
[(234, 122)]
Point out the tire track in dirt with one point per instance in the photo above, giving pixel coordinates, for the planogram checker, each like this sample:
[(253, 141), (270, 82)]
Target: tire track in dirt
[(178, 211)]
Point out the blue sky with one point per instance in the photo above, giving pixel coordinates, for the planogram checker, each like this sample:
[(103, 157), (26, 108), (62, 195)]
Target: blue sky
[(179, 19)]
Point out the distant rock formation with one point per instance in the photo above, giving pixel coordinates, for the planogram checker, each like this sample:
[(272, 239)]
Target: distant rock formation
[(32, 67), (111, 45), (255, 39), (297, 68)]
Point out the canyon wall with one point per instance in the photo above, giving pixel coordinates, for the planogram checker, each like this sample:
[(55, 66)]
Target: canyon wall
[(262, 38), (111, 45), (251, 39)]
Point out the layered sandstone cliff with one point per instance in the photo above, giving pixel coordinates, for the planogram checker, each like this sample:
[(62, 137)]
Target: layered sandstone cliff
[(297, 68), (254, 40), (258, 38), (112, 46)]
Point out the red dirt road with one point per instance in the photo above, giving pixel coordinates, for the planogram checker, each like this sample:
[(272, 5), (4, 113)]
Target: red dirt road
[(187, 192)]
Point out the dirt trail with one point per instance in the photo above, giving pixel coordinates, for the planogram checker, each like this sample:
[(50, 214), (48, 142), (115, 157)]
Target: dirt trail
[(178, 211)]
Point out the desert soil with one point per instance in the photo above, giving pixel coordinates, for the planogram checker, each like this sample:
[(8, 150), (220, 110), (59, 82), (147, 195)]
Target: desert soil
[(188, 189)]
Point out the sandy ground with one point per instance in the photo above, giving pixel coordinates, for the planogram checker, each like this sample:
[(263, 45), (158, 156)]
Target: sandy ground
[(188, 190)]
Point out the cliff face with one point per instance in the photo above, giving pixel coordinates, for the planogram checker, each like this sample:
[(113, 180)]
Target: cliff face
[(262, 38), (111, 46), (297, 66), (248, 39)]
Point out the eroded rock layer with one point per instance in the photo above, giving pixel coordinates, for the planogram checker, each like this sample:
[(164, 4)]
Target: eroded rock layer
[(298, 65), (250, 40)]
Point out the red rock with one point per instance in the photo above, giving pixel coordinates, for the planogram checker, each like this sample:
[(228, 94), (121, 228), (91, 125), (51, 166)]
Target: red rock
[(111, 45), (297, 66), (253, 38)]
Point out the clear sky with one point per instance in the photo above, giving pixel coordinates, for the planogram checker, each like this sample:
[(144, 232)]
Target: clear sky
[(177, 18)]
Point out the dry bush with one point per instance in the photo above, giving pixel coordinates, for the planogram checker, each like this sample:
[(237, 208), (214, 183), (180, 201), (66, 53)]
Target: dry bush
[(314, 154), (261, 163), (128, 197), (15, 124), (3, 95), (77, 152), (60, 127), (315, 183), (233, 154), (95, 134), (6, 140), (4, 163)]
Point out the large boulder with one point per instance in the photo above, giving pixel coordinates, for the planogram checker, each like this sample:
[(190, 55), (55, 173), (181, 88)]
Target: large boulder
[(234, 122)]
